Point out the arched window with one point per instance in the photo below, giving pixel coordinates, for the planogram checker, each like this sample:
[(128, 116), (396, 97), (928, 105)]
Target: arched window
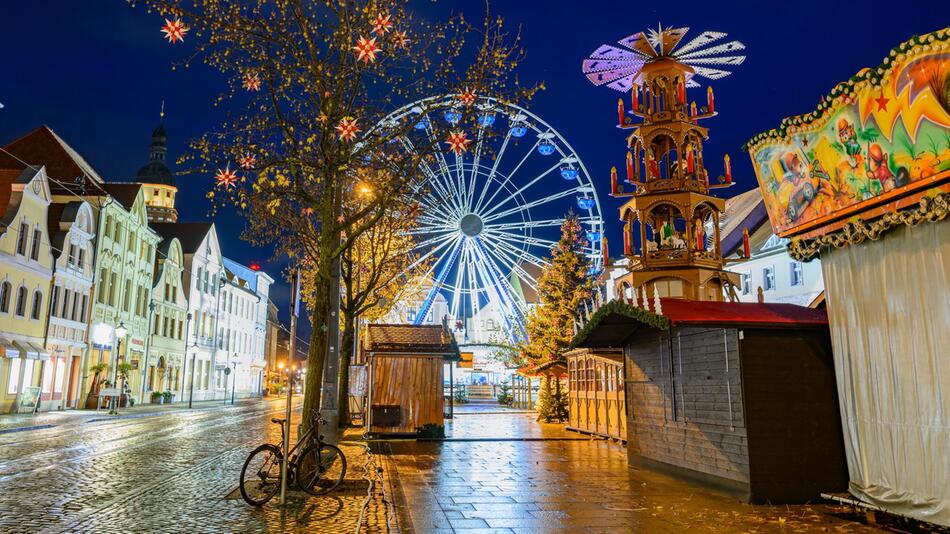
[(37, 304), (5, 290), (20, 310)]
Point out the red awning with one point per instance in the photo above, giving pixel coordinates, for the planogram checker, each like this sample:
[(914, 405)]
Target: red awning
[(680, 311)]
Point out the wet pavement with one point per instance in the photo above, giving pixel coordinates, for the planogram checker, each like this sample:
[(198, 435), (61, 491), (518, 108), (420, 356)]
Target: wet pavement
[(164, 473), (498, 471), (559, 481)]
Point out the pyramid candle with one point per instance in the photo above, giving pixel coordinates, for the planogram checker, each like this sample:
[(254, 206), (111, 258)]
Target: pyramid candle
[(710, 101), (613, 180), (630, 166), (728, 168), (634, 98), (620, 111)]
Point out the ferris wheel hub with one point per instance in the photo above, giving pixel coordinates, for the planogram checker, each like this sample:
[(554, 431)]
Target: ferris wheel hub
[(471, 225)]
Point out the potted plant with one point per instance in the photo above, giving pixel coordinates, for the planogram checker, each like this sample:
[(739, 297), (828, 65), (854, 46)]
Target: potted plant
[(157, 397), (122, 373), (95, 384), (167, 397)]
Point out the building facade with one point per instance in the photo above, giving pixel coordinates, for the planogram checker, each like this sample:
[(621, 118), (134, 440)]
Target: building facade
[(242, 328), (26, 268), (165, 354), (72, 232)]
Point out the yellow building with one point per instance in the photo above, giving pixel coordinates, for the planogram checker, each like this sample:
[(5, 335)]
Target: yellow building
[(158, 182), (26, 266)]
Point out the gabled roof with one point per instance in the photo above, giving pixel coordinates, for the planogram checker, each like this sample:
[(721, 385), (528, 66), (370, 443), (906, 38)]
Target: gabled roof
[(43, 147), (124, 193), (189, 234), (410, 339), (242, 272), (743, 211), (616, 321), (9, 177)]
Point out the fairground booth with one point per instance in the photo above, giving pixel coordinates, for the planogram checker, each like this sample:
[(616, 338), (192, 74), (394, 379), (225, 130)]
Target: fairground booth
[(405, 364), (739, 396), (863, 182)]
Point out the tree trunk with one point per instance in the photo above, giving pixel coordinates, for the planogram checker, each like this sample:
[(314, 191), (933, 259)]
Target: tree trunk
[(346, 357), (317, 355)]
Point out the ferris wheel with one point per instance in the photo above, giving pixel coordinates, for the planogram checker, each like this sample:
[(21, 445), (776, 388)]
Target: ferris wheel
[(492, 209)]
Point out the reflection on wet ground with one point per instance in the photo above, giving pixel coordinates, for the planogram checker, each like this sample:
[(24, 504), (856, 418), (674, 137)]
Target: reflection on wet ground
[(549, 484)]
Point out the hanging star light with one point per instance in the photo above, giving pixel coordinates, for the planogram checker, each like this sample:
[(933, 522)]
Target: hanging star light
[(620, 69), (347, 129), (382, 24), (175, 30), (458, 141), (226, 178), (467, 97), (401, 39), (366, 49), (251, 82), (247, 161)]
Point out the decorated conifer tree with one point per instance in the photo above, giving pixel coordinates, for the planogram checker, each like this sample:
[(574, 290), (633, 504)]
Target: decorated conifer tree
[(563, 285)]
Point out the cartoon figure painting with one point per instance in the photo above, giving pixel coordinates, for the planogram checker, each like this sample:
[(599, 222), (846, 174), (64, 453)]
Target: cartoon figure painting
[(875, 138)]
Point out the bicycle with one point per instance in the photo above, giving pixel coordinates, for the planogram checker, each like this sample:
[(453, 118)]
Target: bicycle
[(317, 470)]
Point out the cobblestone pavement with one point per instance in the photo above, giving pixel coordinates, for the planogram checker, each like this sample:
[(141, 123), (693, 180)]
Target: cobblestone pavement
[(545, 484), (166, 473)]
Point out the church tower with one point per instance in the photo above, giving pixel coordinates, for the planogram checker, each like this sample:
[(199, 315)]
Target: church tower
[(157, 180), (671, 221)]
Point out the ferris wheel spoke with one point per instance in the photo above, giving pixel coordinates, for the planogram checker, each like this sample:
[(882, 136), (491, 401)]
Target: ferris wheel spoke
[(522, 189), (494, 169), (501, 186), (474, 174), (434, 240), (520, 254), (505, 258), (524, 225), (444, 167), (473, 294), (500, 284), (529, 205), (459, 273), (435, 179), (460, 179), (437, 285), (544, 244)]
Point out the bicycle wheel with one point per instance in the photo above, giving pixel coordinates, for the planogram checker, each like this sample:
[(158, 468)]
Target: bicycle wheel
[(320, 469), (260, 476)]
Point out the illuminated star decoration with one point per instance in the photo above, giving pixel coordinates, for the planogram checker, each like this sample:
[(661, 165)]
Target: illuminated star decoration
[(467, 97), (306, 212), (226, 178), (174, 30), (251, 82), (882, 102), (381, 24), (347, 129), (458, 141), (401, 39), (247, 161), (366, 49)]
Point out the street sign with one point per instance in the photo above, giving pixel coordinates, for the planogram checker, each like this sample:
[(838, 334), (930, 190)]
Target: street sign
[(227, 371)]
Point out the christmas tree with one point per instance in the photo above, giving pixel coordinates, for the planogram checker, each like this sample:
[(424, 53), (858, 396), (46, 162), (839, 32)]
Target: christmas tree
[(563, 285)]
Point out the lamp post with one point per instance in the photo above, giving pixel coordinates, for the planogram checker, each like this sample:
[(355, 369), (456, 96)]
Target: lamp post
[(120, 332), (214, 337), (280, 377), (234, 364), (148, 338)]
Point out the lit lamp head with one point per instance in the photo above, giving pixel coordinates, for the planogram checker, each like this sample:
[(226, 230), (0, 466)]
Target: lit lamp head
[(121, 331), (102, 334), (280, 365)]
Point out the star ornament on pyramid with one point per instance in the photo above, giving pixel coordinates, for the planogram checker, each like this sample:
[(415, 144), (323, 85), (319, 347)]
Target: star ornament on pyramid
[(458, 141), (382, 24), (621, 68), (175, 30), (226, 178), (366, 49), (251, 82), (347, 129)]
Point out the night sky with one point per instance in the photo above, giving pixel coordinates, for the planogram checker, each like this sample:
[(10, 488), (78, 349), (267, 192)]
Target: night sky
[(97, 71)]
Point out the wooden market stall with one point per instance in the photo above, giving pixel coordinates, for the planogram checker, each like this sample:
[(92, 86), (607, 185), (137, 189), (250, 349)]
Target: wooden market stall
[(405, 363), (736, 395), (596, 403)]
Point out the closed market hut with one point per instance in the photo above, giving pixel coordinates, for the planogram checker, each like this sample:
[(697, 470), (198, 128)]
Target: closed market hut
[(737, 395), (405, 363), (596, 402)]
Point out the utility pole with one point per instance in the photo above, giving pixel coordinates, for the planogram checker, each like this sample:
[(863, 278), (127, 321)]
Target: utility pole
[(294, 295)]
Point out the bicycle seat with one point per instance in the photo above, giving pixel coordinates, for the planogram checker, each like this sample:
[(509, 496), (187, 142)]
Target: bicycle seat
[(277, 420)]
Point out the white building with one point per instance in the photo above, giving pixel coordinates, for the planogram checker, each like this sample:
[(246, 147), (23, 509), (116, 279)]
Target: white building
[(203, 278), (72, 233), (780, 277), (242, 328)]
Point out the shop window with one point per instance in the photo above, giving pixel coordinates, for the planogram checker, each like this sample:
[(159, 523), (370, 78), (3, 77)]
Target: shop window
[(60, 375), (14, 382), (795, 270), (745, 283)]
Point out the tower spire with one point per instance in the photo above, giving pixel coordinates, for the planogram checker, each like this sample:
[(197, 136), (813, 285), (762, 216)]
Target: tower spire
[(161, 114)]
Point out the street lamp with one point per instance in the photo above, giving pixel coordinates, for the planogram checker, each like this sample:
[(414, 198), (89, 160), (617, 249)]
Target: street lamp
[(234, 363), (120, 332)]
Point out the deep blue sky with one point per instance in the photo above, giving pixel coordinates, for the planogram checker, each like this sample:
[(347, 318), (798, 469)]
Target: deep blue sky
[(96, 72)]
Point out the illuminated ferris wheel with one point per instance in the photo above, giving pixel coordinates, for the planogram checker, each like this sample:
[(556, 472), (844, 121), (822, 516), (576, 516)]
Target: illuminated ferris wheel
[(492, 208)]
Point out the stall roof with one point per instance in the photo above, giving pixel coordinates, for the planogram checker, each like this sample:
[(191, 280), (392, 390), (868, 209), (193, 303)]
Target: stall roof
[(410, 339), (614, 322)]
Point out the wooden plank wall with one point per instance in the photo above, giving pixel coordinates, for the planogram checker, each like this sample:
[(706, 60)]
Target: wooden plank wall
[(412, 382), (595, 397), (684, 401)]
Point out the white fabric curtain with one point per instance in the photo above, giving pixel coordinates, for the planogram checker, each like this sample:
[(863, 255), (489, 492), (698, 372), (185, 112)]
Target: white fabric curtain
[(889, 311)]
